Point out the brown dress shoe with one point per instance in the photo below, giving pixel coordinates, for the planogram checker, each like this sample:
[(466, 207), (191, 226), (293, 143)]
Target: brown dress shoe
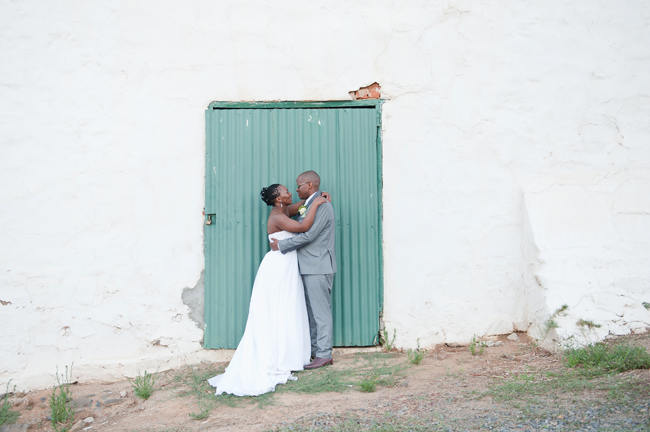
[(319, 362)]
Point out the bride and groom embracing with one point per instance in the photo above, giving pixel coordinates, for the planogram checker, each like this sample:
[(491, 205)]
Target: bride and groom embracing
[(289, 326)]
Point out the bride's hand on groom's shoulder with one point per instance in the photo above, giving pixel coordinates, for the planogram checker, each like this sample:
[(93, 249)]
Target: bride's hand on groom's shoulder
[(320, 200), (327, 196)]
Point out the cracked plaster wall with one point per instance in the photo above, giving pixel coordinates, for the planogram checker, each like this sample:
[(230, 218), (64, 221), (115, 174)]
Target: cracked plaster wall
[(515, 165)]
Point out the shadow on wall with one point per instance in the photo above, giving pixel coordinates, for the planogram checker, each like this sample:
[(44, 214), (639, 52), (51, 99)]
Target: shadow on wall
[(535, 307)]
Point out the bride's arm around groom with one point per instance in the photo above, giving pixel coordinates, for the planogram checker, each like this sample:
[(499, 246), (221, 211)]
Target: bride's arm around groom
[(315, 246), (317, 265)]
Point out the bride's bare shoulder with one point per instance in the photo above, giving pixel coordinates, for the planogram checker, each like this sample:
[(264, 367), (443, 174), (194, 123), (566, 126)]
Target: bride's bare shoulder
[(272, 224), (277, 215)]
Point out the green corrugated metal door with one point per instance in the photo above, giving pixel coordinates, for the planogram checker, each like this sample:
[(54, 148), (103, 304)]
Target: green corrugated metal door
[(252, 147)]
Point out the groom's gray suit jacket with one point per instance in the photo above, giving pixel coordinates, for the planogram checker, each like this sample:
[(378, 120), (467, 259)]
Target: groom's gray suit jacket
[(316, 246)]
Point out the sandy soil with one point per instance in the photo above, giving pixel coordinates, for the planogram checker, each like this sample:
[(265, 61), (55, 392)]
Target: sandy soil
[(444, 375)]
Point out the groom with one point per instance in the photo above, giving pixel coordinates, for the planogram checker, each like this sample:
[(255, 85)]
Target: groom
[(317, 263)]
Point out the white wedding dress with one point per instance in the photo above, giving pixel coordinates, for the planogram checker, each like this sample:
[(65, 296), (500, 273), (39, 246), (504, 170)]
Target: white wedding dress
[(276, 340)]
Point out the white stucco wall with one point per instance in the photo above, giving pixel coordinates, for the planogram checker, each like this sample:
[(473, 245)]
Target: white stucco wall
[(516, 164), (529, 164)]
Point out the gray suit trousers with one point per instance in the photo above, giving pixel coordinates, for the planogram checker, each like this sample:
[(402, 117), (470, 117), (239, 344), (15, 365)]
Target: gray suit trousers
[(318, 296)]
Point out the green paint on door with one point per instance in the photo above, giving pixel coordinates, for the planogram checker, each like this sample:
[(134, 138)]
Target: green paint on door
[(253, 145)]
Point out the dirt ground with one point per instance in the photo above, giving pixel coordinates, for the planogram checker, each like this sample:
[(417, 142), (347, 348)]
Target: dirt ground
[(450, 389)]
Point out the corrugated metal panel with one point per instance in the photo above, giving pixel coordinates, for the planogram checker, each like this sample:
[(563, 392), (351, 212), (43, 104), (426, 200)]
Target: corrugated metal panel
[(251, 148)]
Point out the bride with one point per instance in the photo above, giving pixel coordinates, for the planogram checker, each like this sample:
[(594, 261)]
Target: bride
[(276, 339)]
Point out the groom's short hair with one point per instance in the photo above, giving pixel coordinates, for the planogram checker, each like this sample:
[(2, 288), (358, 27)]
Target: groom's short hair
[(311, 176)]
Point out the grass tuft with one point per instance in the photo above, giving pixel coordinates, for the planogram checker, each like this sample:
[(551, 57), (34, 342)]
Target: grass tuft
[(387, 342), (601, 358), (646, 305), (368, 384), (476, 347), (7, 415), (415, 356), (61, 410), (204, 410), (143, 385)]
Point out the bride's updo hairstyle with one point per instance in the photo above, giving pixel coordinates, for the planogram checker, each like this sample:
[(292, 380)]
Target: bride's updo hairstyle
[(270, 193)]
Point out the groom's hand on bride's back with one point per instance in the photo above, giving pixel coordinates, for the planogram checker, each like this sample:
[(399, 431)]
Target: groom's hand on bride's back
[(274, 244)]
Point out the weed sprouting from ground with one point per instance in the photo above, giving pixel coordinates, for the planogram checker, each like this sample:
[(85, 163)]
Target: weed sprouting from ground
[(415, 356), (143, 385), (368, 384), (646, 305), (387, 342), (476, 347), (7, 415), (600, 358), (204, 410), (61, 410)]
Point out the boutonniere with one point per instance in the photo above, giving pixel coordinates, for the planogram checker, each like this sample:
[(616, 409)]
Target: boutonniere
[(302, 210)]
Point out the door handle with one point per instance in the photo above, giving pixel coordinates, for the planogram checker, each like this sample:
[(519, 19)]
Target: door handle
[(208, 219)]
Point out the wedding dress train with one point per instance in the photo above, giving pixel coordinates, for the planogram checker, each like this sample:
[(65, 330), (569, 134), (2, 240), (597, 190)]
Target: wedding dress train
[(276, 339)]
